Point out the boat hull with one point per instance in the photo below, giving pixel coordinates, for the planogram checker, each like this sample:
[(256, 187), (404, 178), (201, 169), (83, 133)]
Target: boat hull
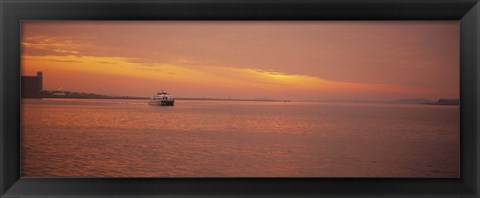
[(162, 103)]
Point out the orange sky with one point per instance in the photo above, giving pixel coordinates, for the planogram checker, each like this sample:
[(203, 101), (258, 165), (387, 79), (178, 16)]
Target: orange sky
[(378, 60)]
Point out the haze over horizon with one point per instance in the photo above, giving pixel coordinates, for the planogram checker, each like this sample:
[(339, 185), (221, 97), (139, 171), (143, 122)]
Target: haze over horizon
[(315, 60)]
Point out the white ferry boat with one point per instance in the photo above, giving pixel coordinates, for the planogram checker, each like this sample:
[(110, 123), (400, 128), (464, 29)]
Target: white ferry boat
[(161, 98)]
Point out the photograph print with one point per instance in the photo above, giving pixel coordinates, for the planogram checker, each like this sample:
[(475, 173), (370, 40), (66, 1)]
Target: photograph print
[(240, 99)]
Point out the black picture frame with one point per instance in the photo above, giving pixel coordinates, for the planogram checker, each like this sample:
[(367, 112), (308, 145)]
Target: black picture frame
[(12, 12)]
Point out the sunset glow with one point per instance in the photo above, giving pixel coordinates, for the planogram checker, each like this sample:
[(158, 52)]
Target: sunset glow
[(303, 99), (307, 60)]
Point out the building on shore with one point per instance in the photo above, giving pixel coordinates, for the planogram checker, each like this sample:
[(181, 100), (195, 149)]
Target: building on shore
[(32, 86)]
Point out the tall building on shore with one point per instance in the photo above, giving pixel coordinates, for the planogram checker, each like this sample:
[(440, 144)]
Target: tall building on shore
[(32, 86)]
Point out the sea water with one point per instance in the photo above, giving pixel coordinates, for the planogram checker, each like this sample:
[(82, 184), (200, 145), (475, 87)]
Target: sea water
[(200, 138)]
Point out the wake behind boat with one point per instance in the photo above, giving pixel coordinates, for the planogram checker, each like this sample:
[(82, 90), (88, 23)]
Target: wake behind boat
[(162, 98)]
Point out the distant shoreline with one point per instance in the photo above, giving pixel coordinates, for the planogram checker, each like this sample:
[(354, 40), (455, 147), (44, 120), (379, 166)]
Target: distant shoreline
[(251, 100), (83, 95), (147, 98)]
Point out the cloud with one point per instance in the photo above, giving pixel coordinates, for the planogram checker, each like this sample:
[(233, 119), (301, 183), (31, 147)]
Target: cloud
[(49, 45), (382, 54)]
